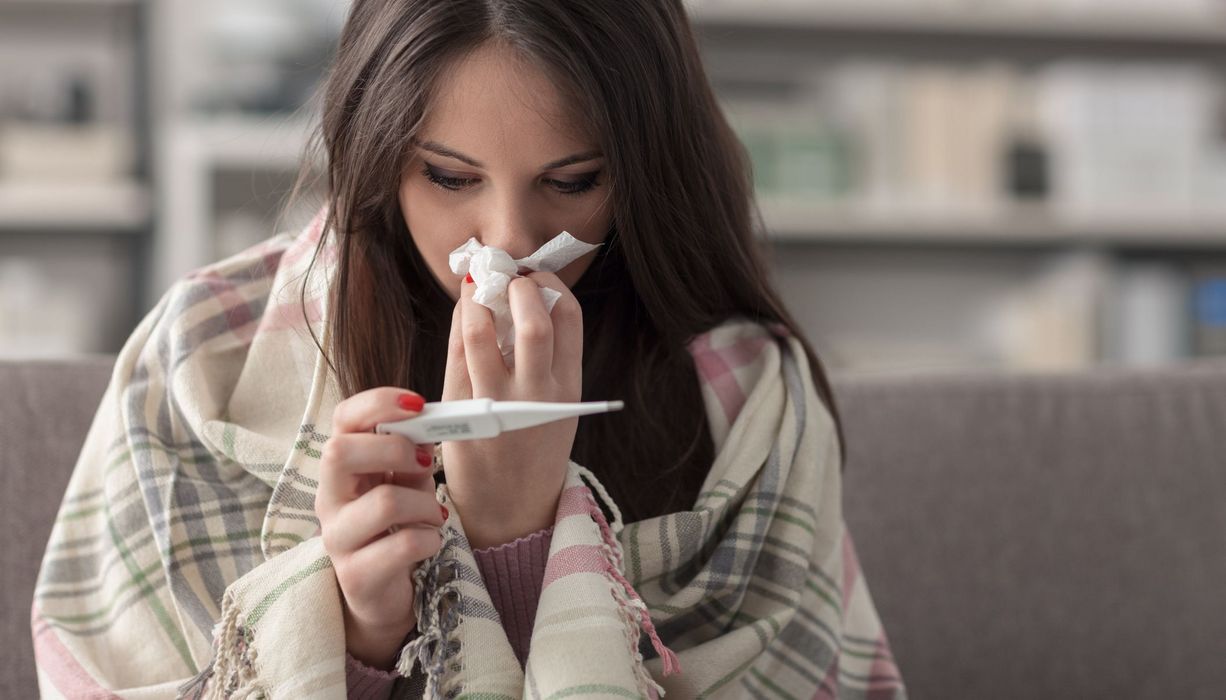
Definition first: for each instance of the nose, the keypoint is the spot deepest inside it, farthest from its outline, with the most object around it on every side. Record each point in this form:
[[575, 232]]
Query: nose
[[510, 224]]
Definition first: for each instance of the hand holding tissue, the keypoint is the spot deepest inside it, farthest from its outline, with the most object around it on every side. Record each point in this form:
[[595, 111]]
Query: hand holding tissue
[[492, 270]]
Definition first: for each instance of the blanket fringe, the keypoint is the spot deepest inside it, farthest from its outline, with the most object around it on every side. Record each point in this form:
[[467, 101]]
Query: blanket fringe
[[436, 603], [627, 597], [194, 689], [231, 674], [617, 525]]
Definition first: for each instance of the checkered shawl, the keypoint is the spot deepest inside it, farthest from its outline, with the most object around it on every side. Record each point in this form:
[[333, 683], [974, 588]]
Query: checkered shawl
[[186, 557]]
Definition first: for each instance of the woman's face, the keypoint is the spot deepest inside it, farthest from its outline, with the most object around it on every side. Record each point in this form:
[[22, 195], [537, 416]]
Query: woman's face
[[501, 157]]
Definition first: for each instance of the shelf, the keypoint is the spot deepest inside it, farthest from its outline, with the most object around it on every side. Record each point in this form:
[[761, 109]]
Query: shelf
[[1165, 28], [56, 5], [244, 141], [122, 207], [63, 3], [1019, 227]]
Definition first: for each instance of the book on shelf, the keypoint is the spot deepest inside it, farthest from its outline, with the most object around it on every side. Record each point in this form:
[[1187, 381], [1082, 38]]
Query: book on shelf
[[1209, 311], [1131, 139], [1054, 321], [1147, 314], [40, 317]]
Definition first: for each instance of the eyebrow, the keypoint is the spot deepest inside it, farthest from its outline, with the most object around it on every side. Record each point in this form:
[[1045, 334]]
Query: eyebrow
[[435, 147]]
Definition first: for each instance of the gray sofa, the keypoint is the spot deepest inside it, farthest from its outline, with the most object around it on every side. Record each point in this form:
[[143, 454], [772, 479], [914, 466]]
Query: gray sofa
[[1058, 536]]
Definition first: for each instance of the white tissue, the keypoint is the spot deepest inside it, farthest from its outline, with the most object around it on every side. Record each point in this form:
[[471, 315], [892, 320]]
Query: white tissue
[[493, 269]]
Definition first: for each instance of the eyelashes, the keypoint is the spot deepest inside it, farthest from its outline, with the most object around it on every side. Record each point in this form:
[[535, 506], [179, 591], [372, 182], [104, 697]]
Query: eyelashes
[[584, 184]]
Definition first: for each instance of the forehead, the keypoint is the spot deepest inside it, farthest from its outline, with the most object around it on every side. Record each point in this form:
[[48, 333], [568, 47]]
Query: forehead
[[495, 104]]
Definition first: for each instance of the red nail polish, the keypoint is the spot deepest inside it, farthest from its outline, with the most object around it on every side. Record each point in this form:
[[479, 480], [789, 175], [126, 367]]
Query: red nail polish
[[424, 459], [446, 513], [468, 278], [411, 402]]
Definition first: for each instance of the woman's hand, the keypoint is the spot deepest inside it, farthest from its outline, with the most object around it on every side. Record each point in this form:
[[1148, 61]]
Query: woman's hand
[[369, 483], [507, 487]]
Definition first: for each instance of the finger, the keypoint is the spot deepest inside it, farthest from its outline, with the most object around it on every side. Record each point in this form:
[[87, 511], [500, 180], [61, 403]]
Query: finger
[[412, 479], [533, 329], [349, 456], [456, 383], [359, 413], [390, 559], [486, 368], [360, 522], [567, 318]]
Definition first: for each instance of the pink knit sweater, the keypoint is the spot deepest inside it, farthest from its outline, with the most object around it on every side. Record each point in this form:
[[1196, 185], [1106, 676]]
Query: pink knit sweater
[[513, 574]]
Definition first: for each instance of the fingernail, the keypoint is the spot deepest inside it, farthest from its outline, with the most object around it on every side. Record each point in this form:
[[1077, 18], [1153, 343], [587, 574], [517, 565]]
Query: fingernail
[[411, 402], [468, 278], [446, 513], [424, 458]]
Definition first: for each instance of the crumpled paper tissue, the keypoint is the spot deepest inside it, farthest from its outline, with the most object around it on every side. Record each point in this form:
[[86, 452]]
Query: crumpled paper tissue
[[493, 269]]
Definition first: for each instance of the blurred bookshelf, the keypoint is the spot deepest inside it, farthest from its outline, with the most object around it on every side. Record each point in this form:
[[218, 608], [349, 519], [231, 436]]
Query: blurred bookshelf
[[76, 200], [1033, 185], [1003, 184]]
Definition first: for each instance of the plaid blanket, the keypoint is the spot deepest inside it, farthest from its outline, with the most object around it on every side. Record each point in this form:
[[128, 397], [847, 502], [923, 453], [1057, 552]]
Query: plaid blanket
[[186, 556]]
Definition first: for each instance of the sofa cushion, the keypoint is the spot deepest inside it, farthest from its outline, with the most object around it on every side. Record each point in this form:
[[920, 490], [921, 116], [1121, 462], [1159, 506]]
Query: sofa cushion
[[45, 411], [1054, 536]]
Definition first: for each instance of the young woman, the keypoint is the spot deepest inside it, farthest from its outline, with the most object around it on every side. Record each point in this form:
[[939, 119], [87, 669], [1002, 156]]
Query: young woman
[[235, 527]]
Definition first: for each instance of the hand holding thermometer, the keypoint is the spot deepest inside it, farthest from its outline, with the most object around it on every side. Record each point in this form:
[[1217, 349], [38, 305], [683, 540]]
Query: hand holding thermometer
[[474, 419]]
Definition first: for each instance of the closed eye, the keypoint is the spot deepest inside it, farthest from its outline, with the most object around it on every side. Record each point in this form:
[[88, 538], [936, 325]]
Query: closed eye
[[445, 182], [583, 183], [579, 186]]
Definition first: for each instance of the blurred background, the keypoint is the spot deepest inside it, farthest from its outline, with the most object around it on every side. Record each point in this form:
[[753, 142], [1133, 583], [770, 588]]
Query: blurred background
[[945, 184]]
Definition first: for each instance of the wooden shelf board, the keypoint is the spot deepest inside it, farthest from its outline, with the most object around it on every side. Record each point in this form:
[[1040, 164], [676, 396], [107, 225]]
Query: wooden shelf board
[[798, 223], [1153, 27], [104, 207]]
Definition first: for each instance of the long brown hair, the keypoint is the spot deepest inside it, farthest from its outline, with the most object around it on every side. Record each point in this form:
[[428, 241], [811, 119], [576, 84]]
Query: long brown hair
[[683, 256]]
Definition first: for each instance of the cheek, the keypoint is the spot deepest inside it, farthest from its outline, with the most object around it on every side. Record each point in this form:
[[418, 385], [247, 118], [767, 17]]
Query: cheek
[[595, 231], [416, 201], [434, 232], [595, 221], [426, 220]]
